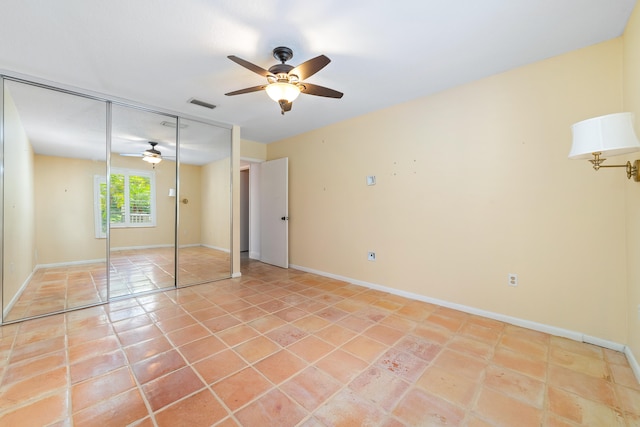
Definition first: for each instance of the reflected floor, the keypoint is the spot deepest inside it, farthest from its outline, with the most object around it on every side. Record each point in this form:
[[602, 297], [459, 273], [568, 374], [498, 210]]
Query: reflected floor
[[132, 271]]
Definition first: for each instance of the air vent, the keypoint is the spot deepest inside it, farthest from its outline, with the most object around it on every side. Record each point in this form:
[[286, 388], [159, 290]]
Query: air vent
[[201, 103]]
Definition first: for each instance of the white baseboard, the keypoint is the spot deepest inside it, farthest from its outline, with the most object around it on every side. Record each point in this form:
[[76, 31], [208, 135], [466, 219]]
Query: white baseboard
[[217, 248], [16, 297], [236, 275], [541, 327], [254, 255], [134, 248], [69, 263]]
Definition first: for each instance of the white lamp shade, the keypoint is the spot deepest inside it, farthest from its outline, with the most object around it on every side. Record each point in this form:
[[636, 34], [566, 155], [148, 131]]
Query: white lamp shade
[[279, 91], [611, 135]]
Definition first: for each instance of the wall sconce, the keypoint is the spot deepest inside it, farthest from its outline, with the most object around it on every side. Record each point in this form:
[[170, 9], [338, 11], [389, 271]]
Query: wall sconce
[[610, 135]]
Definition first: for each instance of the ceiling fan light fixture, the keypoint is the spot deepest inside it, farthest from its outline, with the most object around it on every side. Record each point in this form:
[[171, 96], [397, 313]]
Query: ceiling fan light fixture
[[282, 91], [152, 158]]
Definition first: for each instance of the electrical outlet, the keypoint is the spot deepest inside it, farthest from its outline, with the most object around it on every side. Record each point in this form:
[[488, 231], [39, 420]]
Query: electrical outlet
[[371, 256], [512, 279], [371, 180]]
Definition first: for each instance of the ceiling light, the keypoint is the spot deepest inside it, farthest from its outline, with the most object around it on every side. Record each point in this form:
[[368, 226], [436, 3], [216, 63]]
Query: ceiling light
[[152, 158], [281, 91], [610, 135]]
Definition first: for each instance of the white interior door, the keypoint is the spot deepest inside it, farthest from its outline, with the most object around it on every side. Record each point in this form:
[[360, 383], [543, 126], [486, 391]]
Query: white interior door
[[274, 212]]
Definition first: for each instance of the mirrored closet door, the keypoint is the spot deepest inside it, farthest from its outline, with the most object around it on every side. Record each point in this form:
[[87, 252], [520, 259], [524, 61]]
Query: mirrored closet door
[[54, 151], [89, 183]]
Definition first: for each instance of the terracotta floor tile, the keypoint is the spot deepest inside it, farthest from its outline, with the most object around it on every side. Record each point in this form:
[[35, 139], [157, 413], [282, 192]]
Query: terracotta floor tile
[[19, 392], [95, 390], [462, 364], [347, 409], [595, 367], [200, 409], [380, 387], [383, 334], [311, 323], [505, 411], [523, 346], [157, 366], [629, 399], [165, 390], [97, 365], [585, 412], [34, 366], [241, 388], [354, 356], [341, 365], [237, 334], [521, 363], [123, 409], [221, 323], [220, 365], [623, 375], [472, 347], [272, 409], [185, 335], [449, 386], [142, 333], [286, 335], [310, 388], [147, 349], [310, 348], [365, 348], [419, 408], [43, 412], [336, 335], [266, 323], [256, 348], [402, 364], [280, 366], [584, 385], [588, 350], [510, 383], [202, 348]]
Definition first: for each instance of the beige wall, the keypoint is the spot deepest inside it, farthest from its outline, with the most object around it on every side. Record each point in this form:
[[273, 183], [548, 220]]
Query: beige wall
[[253, 150], [65, 223], [472, 184], [216, 204], [632, 103], [19, 247]]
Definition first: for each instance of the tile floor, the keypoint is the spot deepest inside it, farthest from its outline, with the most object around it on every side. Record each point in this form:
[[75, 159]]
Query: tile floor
[[133, 271], [287, 348]]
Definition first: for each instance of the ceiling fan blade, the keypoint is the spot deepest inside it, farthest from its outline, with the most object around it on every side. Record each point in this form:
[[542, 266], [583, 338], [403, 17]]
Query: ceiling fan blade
[[249, 66], [309, 68], [131, 154], [246, 90], [311, 89]]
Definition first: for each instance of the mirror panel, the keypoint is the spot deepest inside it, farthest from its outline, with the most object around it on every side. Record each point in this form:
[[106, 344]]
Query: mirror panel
[[142, 214], [204, 203], [54, 152]]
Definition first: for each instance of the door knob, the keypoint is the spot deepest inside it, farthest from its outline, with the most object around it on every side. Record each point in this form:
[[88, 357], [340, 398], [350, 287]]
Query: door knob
[[285, 218]]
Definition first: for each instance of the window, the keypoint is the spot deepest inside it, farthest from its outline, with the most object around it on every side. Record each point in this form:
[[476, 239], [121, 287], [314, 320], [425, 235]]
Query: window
[[132, 200]]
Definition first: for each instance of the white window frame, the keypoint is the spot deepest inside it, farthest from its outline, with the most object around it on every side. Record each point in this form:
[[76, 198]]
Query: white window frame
[[101, 179]]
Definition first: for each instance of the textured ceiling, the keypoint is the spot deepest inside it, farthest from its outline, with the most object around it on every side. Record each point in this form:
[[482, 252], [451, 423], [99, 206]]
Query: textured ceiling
[[164, 52]]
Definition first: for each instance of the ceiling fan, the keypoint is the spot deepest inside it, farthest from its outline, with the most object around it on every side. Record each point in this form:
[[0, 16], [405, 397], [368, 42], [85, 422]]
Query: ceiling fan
[[285, 82], [150, 155]]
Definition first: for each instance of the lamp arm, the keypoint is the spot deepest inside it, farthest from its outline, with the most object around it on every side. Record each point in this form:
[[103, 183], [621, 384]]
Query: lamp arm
[[632, 169]]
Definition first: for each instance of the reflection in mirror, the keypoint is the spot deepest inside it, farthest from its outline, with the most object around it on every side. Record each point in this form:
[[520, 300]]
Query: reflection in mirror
[[204, 196], [142, 216], [54, 148]]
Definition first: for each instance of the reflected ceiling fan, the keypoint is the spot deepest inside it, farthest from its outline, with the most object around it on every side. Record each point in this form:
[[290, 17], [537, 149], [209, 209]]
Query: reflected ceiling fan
[[285, 82], [151, 155]]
